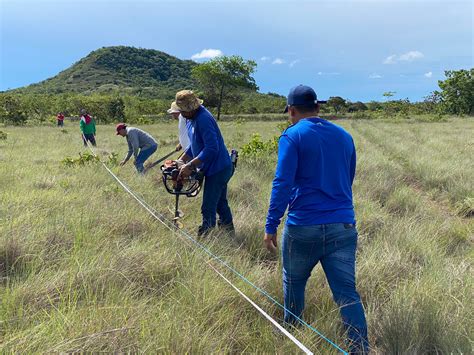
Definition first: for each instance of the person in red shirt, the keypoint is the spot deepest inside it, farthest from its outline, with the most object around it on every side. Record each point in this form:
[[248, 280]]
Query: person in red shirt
[[60, 119]]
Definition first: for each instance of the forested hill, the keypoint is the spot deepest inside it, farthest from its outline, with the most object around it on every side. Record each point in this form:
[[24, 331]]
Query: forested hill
[[129, 70]]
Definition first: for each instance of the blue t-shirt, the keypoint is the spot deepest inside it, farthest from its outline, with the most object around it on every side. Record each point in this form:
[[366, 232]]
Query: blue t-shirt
[[314, 175], [207, 143]]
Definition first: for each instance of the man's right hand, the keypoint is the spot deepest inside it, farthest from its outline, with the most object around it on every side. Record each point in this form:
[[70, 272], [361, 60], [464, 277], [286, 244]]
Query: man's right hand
[[270, 242], [122, 163]]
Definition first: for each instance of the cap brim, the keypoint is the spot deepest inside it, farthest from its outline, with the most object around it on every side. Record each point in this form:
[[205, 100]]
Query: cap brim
[[286, 109], [322, 102], [172, 111]]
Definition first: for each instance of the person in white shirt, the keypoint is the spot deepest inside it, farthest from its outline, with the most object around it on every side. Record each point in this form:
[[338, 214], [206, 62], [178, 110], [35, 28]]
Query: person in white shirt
[[182, 130]]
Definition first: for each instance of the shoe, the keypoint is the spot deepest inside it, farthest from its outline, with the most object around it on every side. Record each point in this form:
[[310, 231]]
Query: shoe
[[203, 231]]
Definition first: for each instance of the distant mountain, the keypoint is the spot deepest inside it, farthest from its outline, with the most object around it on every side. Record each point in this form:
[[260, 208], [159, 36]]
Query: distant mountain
[[130, 70]]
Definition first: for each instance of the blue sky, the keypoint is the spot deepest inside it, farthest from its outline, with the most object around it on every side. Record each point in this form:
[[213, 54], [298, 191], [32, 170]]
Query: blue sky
[[354, 49]]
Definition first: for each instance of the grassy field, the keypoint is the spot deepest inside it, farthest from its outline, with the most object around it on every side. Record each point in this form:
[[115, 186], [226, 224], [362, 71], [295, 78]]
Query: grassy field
[[84, 268]]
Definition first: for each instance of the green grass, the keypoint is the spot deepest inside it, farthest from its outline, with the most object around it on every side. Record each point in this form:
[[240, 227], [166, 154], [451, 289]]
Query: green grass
[[84, 268]]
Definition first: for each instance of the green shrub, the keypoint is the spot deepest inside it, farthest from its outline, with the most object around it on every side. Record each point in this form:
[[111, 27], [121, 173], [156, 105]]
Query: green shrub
[[3, 135], [113, 159], [81, 160], [256, 146]]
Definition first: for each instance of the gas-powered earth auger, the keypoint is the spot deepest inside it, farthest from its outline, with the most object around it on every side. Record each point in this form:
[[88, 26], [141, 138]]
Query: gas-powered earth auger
[[189, 186]]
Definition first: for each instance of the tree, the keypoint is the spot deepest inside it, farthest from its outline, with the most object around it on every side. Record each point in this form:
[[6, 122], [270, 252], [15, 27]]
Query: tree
[[220, 78], [117, 109], [357, 106], [11, 111], [337, 103], [457, 95]]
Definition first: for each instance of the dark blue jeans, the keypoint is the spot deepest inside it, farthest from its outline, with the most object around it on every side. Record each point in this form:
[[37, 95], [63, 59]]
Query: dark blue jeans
[[334, 245], [215, 199], [143, 156], [88, 137]]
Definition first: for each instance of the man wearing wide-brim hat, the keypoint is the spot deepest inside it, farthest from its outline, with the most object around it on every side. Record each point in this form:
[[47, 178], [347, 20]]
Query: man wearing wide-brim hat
[[208, 153]]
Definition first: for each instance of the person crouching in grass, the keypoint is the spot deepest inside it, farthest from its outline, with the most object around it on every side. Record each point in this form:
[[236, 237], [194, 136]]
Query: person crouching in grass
[[140, 144]]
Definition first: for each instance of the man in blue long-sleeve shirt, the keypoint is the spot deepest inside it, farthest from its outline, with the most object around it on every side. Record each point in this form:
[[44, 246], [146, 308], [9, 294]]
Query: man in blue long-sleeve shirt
[[314, 175], [207, 152]]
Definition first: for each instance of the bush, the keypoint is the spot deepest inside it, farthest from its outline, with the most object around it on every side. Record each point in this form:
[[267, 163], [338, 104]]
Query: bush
[[3, 136], [256, 146], [83, 159]]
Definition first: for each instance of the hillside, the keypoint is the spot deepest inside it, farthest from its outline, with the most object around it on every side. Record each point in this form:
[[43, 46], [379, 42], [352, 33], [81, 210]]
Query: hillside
[[120, 69]]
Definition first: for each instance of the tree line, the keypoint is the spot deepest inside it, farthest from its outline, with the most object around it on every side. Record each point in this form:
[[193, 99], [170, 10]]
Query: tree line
[[227, 86]]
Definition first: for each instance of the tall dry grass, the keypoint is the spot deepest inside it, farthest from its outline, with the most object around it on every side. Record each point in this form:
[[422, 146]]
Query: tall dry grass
[[84, 268]]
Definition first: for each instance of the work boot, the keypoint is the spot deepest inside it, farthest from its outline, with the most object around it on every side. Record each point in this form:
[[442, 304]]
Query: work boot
[[203, 231]]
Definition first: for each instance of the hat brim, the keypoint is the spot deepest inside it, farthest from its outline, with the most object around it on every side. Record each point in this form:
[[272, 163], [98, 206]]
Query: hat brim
[[200, 103], [173, 111]]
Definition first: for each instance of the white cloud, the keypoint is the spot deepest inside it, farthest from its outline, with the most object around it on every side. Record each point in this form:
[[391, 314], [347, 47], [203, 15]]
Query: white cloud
[[328, 73], [411, 56], [264, 59], [296, 61], [375, 76], [391, 59], [278, 61], [207, 54], [405, 57], [429, 74]]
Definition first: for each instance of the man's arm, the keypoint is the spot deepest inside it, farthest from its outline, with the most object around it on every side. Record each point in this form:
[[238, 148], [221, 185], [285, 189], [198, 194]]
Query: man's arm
[[133, 143], [208, 132], [281, 190], [129, 153], [353, 163]]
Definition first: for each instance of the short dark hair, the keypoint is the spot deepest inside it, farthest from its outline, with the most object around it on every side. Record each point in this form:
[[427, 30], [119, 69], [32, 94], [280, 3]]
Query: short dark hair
[[306, 108]]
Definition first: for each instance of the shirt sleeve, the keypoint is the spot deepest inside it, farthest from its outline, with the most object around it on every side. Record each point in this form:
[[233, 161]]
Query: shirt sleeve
[[133, 143], [209, 135], [353, 163], [81, 124], [130, 151], [282, 183], [188, 152]]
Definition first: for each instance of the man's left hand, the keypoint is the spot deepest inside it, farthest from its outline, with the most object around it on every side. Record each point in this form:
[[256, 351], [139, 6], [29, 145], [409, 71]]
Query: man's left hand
[[270, 242]]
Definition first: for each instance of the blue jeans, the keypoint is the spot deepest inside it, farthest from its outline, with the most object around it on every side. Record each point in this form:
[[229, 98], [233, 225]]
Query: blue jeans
[[334, 245], [215, 199], [88, 137], [143, 156]]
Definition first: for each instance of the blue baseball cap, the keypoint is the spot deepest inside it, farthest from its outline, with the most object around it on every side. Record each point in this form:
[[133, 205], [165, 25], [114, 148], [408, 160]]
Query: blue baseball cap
[[302, 95]]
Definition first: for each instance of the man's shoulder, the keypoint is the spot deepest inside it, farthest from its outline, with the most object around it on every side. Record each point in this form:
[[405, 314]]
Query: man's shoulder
[[203, 114]]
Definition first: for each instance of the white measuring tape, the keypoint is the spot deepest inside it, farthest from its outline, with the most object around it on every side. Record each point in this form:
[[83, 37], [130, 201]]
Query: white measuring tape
[[168, 224]]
